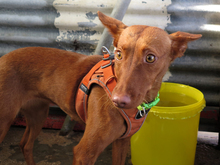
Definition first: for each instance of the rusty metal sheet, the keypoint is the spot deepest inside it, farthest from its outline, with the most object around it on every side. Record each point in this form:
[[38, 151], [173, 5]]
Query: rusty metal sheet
[[80, 28]]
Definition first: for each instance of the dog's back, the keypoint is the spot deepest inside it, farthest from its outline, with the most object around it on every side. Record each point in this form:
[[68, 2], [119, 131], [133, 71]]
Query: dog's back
[[37, 74]]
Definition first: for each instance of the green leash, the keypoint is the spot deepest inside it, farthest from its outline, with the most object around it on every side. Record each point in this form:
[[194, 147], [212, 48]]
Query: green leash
[[146, 106]]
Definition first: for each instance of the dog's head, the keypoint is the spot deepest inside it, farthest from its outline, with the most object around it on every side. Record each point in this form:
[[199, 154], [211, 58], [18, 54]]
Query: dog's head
[[142, 57]]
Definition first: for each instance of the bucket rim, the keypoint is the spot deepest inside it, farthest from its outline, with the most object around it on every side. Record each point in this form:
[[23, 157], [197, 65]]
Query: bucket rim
[[180, 111]]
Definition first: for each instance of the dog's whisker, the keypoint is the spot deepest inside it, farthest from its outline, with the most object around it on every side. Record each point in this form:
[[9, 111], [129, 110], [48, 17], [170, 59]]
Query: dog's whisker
[[101, 99], [145, 101], [107, 103]]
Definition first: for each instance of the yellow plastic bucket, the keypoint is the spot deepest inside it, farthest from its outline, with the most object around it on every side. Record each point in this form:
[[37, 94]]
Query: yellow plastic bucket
[[169, 133]]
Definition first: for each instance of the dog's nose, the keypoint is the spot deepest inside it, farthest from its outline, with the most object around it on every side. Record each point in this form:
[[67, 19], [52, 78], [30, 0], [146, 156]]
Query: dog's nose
[[121, 101]]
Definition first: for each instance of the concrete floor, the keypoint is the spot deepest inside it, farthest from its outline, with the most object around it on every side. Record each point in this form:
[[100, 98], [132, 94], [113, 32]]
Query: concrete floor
[[52, 149]]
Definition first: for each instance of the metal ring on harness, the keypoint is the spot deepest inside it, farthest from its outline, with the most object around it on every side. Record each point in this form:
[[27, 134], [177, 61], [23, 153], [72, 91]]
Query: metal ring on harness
[[105, 51], [110, 57], [143, 112]]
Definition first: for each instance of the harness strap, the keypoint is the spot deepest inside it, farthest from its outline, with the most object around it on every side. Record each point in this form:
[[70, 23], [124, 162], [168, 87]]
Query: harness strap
[[103, 74]]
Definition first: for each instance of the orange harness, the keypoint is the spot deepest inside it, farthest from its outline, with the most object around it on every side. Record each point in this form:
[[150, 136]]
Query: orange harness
[[103, 74]]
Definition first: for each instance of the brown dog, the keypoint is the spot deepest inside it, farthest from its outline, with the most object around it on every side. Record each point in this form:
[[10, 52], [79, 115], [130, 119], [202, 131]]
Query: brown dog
[[31, 78]]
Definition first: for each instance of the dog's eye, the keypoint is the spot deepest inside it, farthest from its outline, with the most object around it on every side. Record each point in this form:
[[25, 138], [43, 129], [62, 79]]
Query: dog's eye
[[150, 58], [118, 55]]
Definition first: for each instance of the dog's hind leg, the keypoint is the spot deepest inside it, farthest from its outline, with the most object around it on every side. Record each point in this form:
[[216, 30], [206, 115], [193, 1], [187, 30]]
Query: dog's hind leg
[[9, 108], [7, 116], [11, 96], [35, 112]]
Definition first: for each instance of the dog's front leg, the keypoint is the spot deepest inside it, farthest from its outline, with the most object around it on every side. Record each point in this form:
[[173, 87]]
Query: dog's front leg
[[103, 126], [120, 149]]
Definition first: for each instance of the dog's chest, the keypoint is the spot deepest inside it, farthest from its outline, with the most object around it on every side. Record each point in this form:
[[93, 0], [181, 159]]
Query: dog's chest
[[103, 75]]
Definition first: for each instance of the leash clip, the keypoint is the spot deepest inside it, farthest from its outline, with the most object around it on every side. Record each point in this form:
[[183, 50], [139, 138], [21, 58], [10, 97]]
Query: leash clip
[[142, 113], [107, 56]]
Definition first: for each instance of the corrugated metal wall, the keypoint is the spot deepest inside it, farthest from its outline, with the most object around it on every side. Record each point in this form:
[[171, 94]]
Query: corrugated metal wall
[[67, 24], [73, 25], [27, 23], [200, 67]]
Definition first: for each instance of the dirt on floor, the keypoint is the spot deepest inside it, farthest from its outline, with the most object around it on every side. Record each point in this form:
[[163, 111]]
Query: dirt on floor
[[52, 149]]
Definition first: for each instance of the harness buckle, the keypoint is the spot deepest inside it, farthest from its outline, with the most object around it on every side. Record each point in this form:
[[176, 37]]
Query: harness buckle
[[107, 56]]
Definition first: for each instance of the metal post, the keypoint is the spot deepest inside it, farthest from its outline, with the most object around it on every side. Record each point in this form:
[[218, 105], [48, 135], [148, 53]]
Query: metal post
[[106, 40], [68, 126], [118, 12]]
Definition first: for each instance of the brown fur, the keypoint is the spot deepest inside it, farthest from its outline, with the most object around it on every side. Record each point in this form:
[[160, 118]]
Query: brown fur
[[31, 78]]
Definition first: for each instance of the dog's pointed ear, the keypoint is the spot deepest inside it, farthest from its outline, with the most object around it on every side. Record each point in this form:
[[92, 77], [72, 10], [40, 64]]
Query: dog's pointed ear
[[180, 41], [114, 26]]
